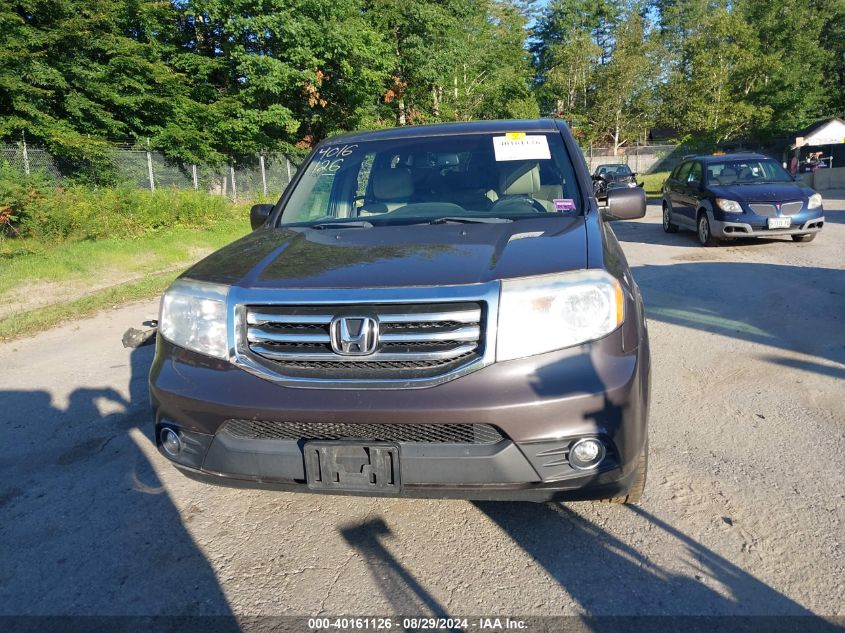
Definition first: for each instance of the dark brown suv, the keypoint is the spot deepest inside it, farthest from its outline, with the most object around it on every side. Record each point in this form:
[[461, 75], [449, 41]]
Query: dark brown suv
[[427, 311]]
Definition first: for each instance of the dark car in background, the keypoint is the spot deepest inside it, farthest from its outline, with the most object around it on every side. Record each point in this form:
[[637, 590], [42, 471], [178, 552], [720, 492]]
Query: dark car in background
[[612, 176], [427, 311], [731, 196]]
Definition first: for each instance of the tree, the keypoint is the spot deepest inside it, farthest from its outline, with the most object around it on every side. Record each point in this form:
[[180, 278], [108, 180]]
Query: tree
[[284, 72], [76, 73], [793, 81], [623, 94], [491, 72]]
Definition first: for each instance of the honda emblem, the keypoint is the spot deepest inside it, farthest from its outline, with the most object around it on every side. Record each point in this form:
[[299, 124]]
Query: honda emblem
[[354, 335]]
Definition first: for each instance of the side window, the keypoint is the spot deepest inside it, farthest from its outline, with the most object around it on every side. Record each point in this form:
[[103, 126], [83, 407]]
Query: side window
[[316, 202], [694, 173], [683, 170]]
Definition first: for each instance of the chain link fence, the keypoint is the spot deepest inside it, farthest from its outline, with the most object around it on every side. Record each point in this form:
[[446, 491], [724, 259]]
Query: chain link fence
[[29, 160], [262, 175], [268, 175], [642, 159]]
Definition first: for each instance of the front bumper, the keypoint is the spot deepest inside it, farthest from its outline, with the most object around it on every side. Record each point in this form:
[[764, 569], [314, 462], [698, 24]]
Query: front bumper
[[751, 225], [540, 405]]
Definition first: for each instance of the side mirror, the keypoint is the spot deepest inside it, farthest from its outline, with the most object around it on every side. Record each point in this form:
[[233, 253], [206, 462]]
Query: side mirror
[[695, 184], [259, 213], [625, 204]]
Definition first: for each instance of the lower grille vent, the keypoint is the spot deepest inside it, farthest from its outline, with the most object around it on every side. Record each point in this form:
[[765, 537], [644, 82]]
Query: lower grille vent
[[418, 433]]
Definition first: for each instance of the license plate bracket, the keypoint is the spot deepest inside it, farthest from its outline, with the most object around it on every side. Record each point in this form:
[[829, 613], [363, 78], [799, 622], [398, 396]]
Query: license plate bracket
[[371, 467], [779, 223]]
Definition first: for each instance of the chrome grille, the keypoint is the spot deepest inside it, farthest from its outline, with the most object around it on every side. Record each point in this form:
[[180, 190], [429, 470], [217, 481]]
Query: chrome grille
[[791, 208], [764, 209], [414, 340], [418, 433], [770, 210]]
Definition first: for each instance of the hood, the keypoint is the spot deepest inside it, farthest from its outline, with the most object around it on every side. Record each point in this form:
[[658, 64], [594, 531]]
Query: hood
[[764, 192], [394, 256]]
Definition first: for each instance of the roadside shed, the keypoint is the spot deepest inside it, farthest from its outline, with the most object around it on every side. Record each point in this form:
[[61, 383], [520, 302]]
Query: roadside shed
[[826, 137]]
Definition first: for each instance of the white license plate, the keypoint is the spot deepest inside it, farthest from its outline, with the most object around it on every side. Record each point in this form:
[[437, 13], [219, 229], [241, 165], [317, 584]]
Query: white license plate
[[779, 223]]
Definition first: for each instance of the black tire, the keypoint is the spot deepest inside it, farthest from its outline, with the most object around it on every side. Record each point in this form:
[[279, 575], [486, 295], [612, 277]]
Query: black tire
[[705, 235], [668, 226], [635, 493], [804, 237]]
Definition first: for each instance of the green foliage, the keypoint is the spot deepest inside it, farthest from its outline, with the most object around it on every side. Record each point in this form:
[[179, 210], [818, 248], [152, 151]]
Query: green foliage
[[204, 81], [48, 214], [711, 70]]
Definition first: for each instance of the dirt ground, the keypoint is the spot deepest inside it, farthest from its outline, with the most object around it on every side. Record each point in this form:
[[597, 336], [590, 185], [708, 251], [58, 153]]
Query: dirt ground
[[744, 510]]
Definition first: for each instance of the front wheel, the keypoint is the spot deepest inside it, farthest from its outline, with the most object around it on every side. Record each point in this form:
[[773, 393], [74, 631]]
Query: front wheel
[[668, 226], [804, 237], [705, 235], [635, 493]]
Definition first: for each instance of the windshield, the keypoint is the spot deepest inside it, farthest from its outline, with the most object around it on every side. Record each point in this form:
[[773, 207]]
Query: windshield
[[409, 180], [736, 172], [619, 170]]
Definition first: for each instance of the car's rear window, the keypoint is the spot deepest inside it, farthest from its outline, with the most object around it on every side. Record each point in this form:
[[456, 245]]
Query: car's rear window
[[398, 180], [619, 170]]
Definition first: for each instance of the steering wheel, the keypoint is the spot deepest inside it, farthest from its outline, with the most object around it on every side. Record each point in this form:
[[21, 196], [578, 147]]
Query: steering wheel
[[501, 203]]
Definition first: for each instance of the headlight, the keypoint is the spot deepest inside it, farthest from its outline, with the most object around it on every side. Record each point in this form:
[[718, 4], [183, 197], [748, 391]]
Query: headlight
[[193, 315], [729, 206], [814, 201], [542, 314]]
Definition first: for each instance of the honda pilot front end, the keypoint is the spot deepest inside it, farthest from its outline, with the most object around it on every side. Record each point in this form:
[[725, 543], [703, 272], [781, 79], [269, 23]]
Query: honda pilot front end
[[438, 311]]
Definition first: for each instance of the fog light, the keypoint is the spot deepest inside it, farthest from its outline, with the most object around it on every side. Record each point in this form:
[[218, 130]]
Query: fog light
[[170, 442], [586, 453]]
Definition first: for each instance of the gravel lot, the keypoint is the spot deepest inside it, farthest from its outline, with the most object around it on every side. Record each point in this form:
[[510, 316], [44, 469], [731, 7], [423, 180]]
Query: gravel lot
[[744, 510]]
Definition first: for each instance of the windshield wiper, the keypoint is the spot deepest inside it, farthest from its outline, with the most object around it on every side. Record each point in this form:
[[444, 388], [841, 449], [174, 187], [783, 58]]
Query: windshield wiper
[[469, 220], [355, 224]]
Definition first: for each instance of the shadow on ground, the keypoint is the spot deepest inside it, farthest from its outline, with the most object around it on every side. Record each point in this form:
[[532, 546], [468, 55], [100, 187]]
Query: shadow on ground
[[606, 576], [794, 308], [602, 574], [403, 591], [111, 541]]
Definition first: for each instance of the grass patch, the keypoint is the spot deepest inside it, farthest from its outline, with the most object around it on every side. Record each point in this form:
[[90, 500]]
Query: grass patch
[[34, 321], [62, 277], [66, 252], [39, 210], [653, 183], [100, 261]]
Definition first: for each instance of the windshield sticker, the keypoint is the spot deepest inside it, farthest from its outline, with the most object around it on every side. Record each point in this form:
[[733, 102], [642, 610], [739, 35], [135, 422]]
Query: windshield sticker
[[523, 148], [564, 204]]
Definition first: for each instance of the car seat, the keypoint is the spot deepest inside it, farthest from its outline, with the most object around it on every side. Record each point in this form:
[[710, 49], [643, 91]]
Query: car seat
[[728, 176], [391, 188], [521, 180]]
